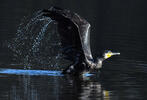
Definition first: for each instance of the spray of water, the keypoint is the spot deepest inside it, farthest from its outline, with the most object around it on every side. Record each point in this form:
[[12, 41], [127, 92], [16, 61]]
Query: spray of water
[[37, 43]]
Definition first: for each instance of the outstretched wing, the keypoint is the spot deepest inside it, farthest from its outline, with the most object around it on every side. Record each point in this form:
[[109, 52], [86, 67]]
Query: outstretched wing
[[74, 30]]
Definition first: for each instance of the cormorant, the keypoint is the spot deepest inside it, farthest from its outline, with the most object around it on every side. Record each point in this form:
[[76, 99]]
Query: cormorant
[[75, 38]]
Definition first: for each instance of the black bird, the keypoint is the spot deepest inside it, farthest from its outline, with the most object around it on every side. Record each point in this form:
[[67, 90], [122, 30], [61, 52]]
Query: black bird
[[75, 38]]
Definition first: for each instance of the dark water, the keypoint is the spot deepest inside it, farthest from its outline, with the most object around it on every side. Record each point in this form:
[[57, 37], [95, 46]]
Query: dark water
[[116, 25]]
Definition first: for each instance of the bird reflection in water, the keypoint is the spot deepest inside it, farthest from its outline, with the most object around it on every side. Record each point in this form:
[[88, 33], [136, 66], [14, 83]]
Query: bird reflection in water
[[94, 89], [25, 87], [87, 89]]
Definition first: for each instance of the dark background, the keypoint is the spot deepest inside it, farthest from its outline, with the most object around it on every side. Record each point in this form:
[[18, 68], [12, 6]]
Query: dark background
[[118, 25]]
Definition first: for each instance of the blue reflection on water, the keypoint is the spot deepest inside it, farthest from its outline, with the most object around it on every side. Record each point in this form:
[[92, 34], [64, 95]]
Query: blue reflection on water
[[35, 72], [88, 74], [30, 72]]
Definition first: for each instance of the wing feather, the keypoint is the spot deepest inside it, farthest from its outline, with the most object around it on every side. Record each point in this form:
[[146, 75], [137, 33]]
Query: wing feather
[[79, 36]]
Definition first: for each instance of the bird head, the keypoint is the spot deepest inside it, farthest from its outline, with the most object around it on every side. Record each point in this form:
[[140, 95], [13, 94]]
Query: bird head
[[107, 54]]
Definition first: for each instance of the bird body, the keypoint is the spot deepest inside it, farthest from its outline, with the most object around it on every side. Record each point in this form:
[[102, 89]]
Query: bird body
[[75, 35]]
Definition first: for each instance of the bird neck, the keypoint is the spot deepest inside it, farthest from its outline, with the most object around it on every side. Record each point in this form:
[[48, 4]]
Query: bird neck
[[95, 64], [99, 63], [100, 60]]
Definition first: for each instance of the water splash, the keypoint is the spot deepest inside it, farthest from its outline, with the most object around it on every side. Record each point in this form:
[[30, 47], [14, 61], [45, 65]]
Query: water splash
[[38, 42]]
